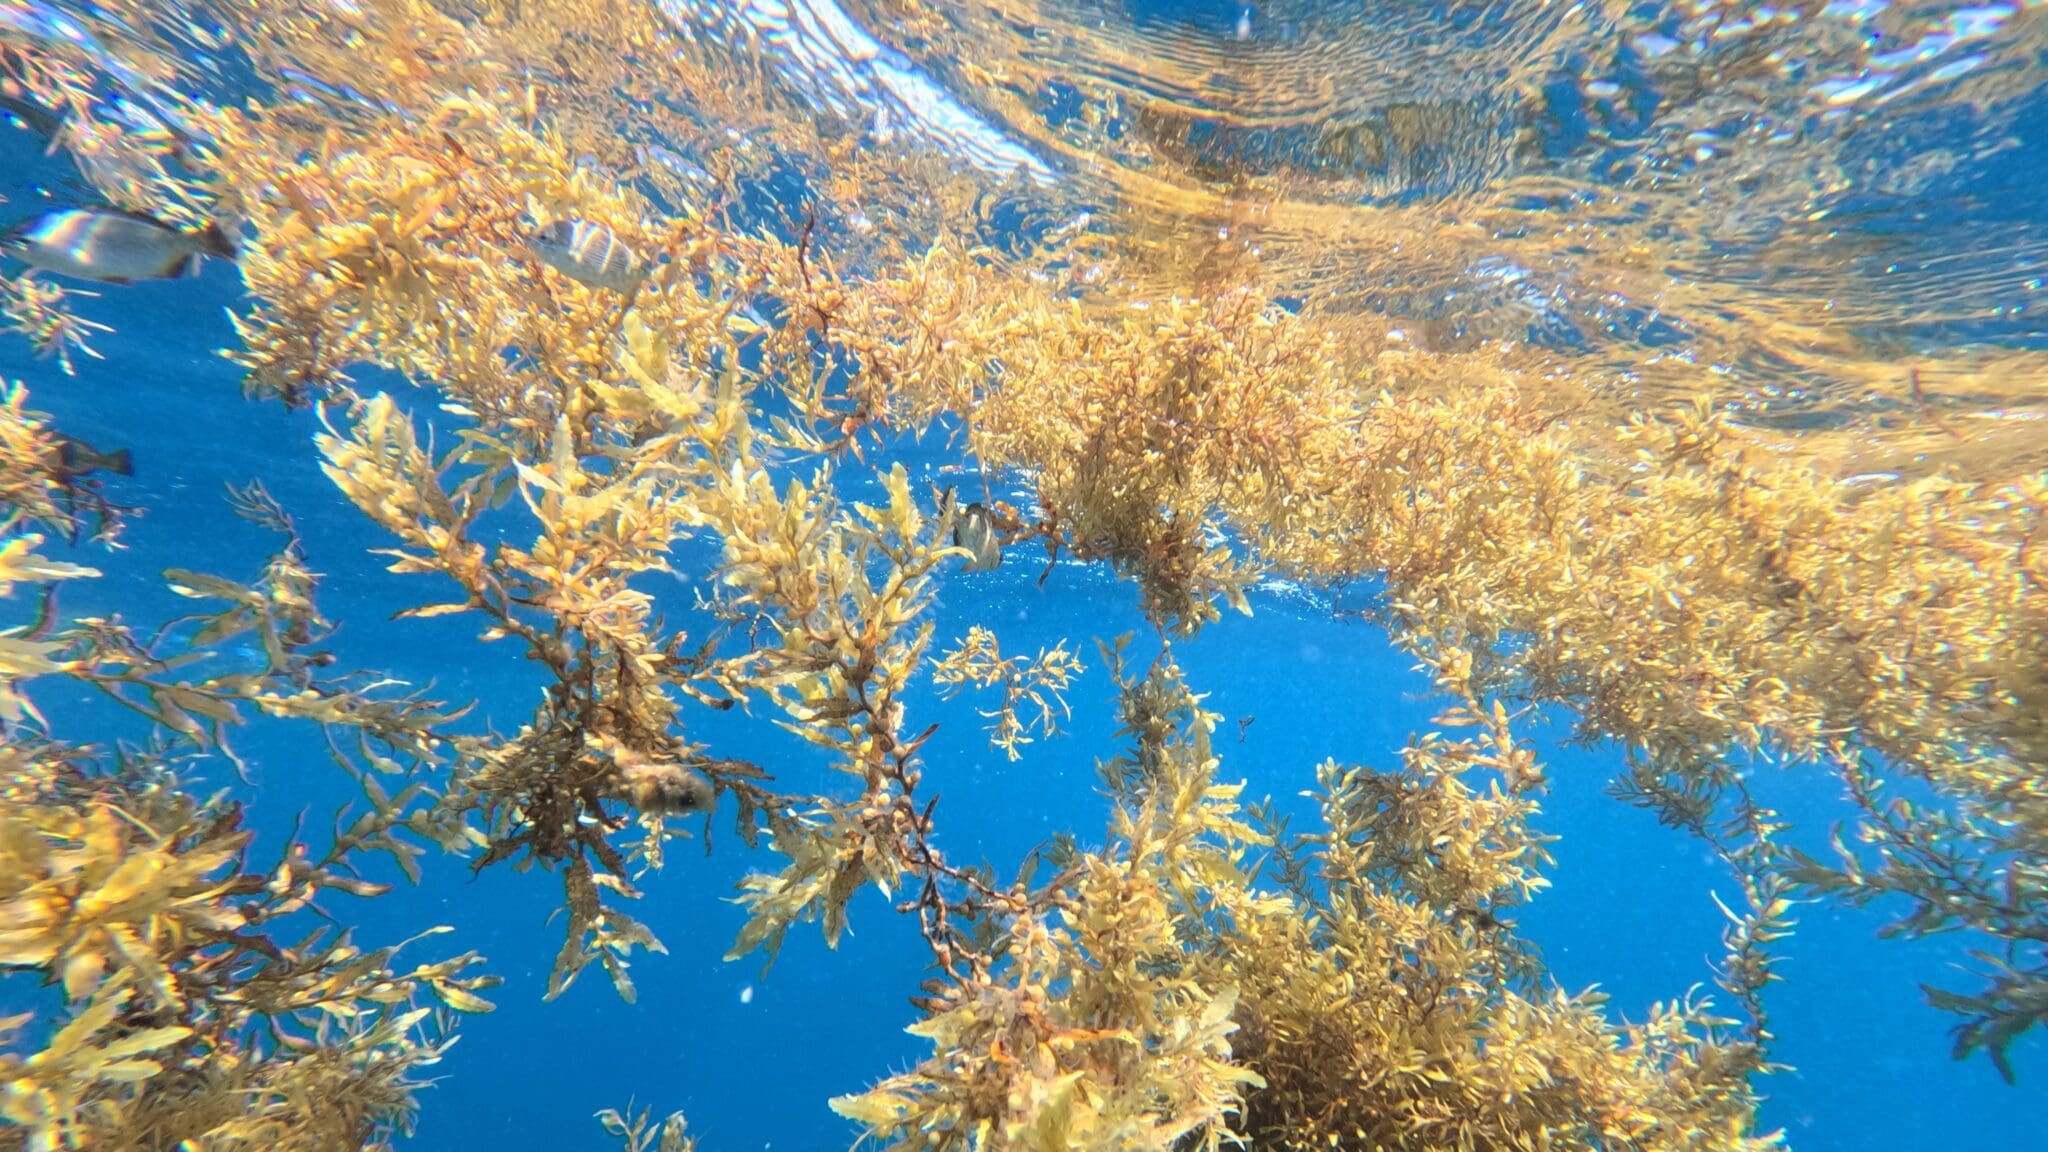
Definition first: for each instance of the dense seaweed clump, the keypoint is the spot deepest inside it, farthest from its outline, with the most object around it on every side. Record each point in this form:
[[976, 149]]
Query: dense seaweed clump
[[1689, 593], [665, 322], [199, 1002], [1370, 994]]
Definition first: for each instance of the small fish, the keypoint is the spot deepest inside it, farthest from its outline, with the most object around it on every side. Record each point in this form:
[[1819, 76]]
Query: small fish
[[589, 254], [113, 246], [974, 532], [72, 469], [76, 458], [30, 115], [655, 156], [665, 787], [307, 88]]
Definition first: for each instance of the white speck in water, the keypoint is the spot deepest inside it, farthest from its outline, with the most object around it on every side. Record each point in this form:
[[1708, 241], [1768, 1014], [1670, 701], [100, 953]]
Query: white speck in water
[[1244, 24], [747, 994]]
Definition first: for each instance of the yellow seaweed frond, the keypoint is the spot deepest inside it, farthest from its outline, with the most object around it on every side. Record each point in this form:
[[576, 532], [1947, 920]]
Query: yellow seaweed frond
[[1039, 681], [638, 1132], [41, 311]]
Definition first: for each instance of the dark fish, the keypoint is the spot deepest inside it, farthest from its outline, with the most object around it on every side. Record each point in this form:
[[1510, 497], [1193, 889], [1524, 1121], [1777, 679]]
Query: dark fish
[[77, 458], [588, 254], [973, 531], [72, 469], [113, 246], [17, 101], [31, 115]]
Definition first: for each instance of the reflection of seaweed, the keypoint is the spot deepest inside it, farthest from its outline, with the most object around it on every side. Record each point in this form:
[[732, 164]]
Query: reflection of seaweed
[[1403, 151]]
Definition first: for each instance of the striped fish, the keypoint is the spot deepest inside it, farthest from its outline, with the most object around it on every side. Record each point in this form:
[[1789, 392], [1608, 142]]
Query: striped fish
[[589, 254]]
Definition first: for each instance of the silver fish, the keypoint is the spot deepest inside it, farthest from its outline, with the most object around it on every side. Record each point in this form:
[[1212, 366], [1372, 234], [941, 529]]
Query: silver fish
[[112, 246], [973, 531], [655, 156], [589, 254]]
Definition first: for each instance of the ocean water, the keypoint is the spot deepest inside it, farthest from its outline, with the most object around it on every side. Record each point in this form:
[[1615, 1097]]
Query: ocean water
[[752, 1055]]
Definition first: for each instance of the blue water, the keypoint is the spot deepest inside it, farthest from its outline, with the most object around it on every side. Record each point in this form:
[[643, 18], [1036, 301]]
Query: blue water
[[1630, 908]]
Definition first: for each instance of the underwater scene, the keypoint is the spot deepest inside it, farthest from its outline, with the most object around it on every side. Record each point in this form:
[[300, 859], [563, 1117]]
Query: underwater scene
[[1039, 575]]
